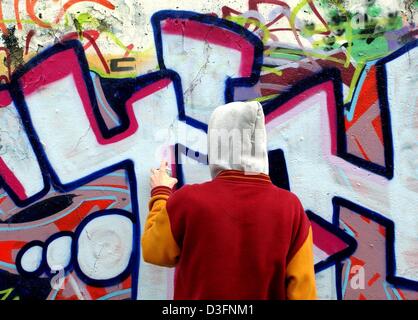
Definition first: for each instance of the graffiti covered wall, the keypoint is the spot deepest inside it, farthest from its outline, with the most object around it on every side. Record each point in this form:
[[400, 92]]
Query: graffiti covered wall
[[94, 93]]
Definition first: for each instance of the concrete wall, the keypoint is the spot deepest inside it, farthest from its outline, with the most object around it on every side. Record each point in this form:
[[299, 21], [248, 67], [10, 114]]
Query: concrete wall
[[94, 93]]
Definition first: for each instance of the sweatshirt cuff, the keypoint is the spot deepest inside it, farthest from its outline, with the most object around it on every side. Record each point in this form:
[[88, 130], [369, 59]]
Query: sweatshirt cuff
[[161, 190]]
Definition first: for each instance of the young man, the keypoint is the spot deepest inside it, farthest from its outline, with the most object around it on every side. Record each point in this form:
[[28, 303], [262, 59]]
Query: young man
[[237, 236]]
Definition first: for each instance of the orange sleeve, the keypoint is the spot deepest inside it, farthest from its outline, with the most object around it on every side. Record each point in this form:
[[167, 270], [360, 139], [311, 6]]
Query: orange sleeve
[[300, 274], [158, 244]]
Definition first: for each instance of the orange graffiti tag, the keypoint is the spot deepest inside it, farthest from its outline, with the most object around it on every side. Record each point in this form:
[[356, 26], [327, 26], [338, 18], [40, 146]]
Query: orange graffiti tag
[[70, 3], [31, 8]]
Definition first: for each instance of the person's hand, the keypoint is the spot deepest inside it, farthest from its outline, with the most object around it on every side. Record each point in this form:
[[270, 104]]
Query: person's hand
[[160, 177]]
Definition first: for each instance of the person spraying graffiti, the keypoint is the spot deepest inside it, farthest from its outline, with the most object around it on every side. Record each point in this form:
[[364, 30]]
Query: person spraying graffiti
[[237, 236]]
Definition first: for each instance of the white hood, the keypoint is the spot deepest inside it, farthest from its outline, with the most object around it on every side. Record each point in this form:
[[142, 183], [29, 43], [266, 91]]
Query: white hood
[[237, 138]]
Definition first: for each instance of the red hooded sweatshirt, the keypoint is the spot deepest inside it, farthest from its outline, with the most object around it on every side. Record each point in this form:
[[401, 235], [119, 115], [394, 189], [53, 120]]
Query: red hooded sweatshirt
[[237, 236]]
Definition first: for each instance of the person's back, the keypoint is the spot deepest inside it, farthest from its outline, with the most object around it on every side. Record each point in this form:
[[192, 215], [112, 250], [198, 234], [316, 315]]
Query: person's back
[[237, 236]]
